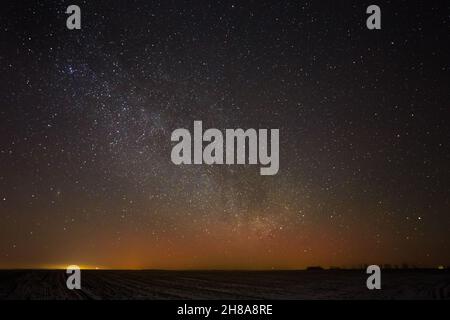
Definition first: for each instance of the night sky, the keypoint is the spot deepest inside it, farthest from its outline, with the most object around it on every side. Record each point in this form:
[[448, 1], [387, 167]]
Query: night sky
[[86, 118]]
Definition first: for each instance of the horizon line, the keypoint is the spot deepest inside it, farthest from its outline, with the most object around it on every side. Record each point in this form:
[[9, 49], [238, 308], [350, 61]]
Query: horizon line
[[309, 268]]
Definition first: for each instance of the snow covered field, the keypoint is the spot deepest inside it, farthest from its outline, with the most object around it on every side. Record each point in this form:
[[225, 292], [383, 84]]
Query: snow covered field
[[327, 284]]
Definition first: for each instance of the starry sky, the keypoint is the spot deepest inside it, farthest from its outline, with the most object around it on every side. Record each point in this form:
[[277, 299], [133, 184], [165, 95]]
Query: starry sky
[[86, 118]]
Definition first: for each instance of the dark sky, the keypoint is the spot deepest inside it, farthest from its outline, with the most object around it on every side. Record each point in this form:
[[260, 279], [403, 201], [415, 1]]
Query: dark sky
[[86, 118]]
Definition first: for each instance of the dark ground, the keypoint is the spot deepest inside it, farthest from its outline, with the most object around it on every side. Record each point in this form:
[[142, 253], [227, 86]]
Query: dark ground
[[338, 284]]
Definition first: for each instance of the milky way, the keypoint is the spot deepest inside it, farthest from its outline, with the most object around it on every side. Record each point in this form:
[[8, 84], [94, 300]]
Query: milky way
[[86, 119]]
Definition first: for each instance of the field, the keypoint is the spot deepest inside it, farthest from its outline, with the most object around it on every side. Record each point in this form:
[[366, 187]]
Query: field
[[326, 284]]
